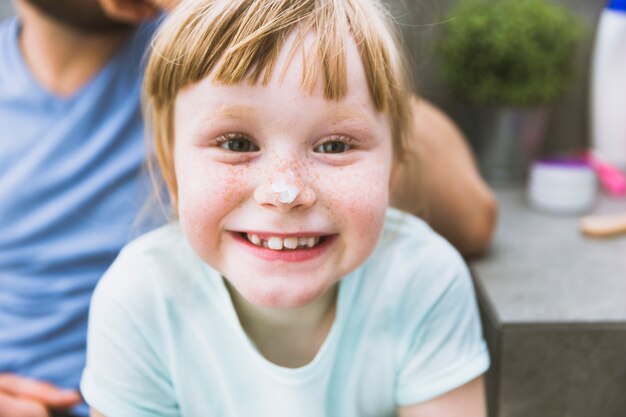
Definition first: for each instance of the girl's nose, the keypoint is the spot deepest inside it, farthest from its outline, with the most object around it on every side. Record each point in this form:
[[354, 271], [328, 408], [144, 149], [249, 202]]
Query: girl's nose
[[285, 195]]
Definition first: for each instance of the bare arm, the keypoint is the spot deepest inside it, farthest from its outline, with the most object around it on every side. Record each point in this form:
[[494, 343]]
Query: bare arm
[[25, 397], [465, 401], [94, 413], [441, 183]]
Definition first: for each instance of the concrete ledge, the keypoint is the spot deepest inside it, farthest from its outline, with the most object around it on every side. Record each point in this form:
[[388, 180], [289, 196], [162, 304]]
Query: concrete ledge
[[553, 304]]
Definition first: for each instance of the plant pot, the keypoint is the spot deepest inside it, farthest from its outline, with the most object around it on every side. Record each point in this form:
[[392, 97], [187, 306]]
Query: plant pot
[[505, 140]]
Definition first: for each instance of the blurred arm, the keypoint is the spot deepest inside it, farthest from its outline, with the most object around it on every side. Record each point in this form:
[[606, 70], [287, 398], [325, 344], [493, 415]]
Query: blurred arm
[[25, 397], [465, 401], [440, 183]]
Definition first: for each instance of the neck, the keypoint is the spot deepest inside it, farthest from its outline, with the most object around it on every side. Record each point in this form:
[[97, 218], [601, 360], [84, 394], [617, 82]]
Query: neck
[[289, 337], [61, 58]]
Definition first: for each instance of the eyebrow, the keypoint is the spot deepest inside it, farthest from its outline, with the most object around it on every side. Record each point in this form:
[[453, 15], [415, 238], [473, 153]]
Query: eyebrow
[[339, 114], [233, 111], [343, 114]]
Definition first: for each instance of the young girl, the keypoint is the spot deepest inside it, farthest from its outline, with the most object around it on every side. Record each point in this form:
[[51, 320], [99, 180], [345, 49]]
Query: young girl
[[285, 287]]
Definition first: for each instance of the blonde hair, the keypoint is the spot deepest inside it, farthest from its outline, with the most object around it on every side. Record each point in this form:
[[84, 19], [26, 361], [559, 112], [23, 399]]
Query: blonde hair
[[240, 40]]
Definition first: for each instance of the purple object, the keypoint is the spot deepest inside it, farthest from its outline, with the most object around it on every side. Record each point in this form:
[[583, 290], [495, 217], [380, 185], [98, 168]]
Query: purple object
[[612, 179], [564, 162]]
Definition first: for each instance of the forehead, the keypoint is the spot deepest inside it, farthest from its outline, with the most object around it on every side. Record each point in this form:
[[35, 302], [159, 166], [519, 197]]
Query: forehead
[[299, 59], [297, 66], [286, 89]]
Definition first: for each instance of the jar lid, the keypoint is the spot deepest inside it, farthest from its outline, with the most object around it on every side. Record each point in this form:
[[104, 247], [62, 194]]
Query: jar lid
[[558, 173]]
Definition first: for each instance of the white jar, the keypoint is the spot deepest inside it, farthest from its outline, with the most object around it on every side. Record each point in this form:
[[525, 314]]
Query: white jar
[[608, 85], [562, 186]]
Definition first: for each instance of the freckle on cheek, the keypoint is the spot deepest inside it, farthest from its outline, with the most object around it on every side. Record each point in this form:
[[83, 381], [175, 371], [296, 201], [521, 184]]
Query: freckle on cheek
[[229, 190]]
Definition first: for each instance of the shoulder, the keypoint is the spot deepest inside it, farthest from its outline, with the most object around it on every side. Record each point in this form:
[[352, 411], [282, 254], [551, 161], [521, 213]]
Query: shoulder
[[413, 269], [143, 273], [152, 246], [156, 240], [410, 250], [8, 26], [133, 56], [426, 298], [130, 330], [8, 42], [143, 35]]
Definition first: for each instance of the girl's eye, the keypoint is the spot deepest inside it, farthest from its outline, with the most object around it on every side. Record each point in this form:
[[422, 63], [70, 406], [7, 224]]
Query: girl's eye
[[333, 146], [237, 143]]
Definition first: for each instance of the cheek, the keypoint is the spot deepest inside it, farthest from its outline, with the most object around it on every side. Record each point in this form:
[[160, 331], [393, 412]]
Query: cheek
[[207, 192], [360, 198]]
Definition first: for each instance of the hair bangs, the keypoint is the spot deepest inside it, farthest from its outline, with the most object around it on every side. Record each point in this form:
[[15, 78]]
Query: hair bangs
[[241, 40]]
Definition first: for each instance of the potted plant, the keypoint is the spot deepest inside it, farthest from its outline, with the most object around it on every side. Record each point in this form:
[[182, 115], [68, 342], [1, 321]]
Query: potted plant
[[508, 60]]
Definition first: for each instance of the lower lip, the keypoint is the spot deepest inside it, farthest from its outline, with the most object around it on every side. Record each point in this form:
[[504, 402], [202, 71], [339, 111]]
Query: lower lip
[[294, 255]]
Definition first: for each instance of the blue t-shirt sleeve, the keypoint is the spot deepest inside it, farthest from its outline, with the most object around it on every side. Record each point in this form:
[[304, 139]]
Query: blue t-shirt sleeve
[[442, 336], [126, 374]]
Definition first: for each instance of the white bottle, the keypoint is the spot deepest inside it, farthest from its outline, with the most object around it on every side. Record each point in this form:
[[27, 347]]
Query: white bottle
[[608, 85]]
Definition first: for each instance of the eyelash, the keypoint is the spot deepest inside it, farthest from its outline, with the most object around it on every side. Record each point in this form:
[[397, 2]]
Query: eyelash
[[224, 140], [346, 140]]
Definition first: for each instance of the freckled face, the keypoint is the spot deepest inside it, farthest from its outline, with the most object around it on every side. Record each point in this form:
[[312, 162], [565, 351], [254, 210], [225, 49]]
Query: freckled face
[[237, 146]]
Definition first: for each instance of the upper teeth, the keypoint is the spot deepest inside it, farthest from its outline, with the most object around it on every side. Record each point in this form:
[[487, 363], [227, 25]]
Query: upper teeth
[[278, 243]]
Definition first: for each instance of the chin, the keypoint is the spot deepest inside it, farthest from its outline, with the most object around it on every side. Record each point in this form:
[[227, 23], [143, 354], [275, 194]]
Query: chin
[[281, 295]]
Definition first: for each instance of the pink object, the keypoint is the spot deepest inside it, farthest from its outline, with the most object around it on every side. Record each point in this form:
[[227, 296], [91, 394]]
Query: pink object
[[611, 178]]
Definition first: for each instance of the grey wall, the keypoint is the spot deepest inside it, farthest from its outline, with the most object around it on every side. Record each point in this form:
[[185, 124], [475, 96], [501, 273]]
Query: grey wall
[[422, 26], [6, 8]]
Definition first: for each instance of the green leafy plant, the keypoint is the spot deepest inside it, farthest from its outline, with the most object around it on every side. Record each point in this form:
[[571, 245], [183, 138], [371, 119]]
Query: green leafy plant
[[515, 53]]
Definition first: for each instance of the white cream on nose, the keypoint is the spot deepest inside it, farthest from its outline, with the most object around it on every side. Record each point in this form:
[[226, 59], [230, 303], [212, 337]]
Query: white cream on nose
[[286, 192]]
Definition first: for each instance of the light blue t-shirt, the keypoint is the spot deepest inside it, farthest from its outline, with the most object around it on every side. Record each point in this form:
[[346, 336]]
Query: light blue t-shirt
[[70, 190], [165, 340]]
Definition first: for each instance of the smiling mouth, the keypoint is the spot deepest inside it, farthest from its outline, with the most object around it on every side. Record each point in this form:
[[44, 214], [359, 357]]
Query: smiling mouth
[[283, 244]]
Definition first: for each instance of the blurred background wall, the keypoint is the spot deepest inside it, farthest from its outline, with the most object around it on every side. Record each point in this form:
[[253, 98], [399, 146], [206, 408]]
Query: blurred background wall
[[422, 25], [5, 8]]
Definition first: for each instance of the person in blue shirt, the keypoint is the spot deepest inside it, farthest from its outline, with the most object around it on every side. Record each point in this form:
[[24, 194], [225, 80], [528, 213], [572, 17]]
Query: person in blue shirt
[[71, 185], [71, 156], [283, 285]]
